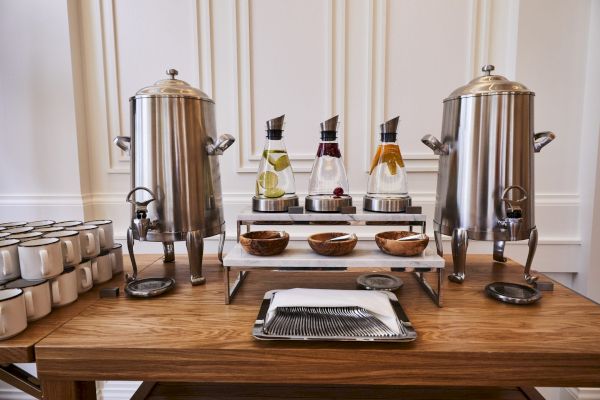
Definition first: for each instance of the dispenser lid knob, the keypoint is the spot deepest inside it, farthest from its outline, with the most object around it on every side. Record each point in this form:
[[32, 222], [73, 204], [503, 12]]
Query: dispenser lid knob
[[487, 69], [172, 72]]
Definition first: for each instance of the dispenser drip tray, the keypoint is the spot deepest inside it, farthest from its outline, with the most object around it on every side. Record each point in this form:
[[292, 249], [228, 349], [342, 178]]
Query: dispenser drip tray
[[149, 287], [513, 293]]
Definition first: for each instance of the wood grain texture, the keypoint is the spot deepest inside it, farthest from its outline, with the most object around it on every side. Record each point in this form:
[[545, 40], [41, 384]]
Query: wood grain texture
[[189, 335], [68, 390], [196, 391], [20, 349]]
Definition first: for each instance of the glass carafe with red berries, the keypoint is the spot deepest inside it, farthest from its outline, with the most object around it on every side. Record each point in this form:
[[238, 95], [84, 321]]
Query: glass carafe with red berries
[[328, 184]]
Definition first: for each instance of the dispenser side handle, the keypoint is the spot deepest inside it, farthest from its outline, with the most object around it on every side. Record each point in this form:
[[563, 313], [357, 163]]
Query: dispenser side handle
[[223, 143], [434, 144], [542, 139], [123, 142]]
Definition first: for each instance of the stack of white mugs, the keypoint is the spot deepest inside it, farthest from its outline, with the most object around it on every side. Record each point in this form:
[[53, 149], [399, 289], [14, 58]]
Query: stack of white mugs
[[48, 264]]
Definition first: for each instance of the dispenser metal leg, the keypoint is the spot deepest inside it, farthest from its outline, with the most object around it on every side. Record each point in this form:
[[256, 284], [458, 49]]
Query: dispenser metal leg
[[499, 251], [169, 251], [460, 243], [221, 245], [130, 243], [533, 240], [195, 248], [438, 243]]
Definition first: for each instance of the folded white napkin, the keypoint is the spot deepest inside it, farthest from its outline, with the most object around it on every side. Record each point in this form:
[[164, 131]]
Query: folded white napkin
[[376, 302]]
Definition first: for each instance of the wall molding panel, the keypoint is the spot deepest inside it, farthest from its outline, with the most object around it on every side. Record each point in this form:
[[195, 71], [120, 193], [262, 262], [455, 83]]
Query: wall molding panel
[[334, 92]]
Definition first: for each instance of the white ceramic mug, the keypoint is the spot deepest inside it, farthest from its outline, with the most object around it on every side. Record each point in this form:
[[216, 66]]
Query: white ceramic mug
[[71, 249], [89, 238], [41, 224], [84, 277], [116, 258], [9, 260], [64, 288], [105, 232], [67, 224], [101, 269], [8, 225], [50, 229], [38, 302], [25, 237], [18, 229], [13, 316], [40, 259]]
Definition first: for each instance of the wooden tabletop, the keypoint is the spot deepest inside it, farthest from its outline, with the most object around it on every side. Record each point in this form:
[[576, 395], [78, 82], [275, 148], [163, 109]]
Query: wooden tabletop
[[190, 335], [20, 349]]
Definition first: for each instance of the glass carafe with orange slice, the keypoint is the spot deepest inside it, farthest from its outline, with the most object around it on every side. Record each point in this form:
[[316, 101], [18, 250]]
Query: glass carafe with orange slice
[[275, 185], [387, 189]]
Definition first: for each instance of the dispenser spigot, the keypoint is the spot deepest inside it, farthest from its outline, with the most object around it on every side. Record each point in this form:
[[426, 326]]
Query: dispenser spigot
[[141, 223], [514, 214]]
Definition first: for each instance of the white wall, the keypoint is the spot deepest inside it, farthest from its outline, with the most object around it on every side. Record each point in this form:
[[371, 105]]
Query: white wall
[[68, 68]]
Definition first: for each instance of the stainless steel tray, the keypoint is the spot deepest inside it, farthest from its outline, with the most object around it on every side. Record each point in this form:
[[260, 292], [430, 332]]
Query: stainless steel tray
[[259, 331]]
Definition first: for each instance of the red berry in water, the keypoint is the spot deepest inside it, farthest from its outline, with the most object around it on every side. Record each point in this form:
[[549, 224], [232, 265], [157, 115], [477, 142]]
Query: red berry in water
[[338, 191]]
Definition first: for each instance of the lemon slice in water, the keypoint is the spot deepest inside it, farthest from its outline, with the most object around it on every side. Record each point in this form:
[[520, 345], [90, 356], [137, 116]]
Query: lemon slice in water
[[267, 180], [275, 192]]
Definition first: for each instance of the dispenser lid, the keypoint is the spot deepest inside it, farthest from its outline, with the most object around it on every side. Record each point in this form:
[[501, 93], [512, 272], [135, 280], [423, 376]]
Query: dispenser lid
[[172, 87], [329, 129], [489, 84]]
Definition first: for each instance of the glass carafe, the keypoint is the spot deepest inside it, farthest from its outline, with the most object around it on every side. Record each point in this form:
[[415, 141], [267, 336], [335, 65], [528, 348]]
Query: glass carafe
[[328, 183], [275, 185], [387, 189]]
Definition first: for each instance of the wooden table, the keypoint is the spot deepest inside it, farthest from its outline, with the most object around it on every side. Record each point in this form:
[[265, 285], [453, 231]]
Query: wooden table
[[190, 336], [21, 348]]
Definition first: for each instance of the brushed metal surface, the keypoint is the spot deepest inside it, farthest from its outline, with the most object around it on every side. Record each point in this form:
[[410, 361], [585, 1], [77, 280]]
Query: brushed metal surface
[[326, 203], [280, 204], [386, 204]]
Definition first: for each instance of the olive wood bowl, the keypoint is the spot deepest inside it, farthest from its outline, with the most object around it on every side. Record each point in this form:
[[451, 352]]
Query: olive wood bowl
[[387, 242], [264, 243], [320, 243]]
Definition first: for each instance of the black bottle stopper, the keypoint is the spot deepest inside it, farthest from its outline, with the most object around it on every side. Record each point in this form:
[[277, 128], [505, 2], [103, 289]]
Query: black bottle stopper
[[389, 130], [275, 128], [329, 129]]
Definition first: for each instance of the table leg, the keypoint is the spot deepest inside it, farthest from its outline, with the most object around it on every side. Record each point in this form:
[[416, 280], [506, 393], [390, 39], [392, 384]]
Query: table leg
[[68, 390]]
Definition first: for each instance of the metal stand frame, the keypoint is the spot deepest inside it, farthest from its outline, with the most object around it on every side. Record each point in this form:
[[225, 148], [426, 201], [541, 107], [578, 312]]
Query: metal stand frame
[[21, 379], [231, 288]]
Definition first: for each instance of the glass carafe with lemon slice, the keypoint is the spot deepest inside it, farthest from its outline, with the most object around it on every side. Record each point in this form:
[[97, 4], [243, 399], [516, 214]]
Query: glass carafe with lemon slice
[[275, 185], [328, 184], [387, 188]]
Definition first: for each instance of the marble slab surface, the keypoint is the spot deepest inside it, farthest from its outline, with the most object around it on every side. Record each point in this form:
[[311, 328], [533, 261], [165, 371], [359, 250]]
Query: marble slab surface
[[299, 254], [361, 215]]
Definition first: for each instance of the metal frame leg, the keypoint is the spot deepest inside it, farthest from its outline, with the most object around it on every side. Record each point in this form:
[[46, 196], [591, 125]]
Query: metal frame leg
[[195, 248], [130, 244], [221, 245], [499, 251], [533, 241], [169, 252], [435, 295], [460, 242], [438, 243], [21, 379], [231, 290]]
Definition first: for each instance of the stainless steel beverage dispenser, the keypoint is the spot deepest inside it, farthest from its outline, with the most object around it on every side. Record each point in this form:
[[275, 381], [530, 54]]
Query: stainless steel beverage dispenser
[[175, 178], [485, 188]]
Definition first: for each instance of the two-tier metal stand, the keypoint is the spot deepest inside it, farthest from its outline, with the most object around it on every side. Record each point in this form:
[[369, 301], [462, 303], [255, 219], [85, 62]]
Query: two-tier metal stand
[[298, 256]]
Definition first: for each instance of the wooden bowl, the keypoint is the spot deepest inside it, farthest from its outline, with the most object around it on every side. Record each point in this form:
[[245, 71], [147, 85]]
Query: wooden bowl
[[388, 244], [320, 244], [264, 243]]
